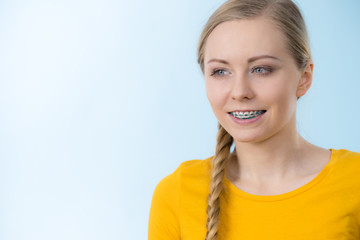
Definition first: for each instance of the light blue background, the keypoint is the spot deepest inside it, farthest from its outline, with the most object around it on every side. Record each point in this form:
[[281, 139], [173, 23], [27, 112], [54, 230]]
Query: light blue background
[[101, 99]]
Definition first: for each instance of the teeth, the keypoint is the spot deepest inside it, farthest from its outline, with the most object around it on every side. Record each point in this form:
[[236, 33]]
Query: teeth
[[247, 115]]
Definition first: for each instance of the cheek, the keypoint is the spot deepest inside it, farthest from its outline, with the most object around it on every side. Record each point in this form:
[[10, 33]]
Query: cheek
[[280, 91], [216, 94], [283, 97]]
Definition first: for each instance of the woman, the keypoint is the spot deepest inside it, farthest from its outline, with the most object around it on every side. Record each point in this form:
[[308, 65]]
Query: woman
[[274, 184]]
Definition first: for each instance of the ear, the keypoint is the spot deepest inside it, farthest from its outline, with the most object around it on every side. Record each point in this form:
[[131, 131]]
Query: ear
[[306, 79]]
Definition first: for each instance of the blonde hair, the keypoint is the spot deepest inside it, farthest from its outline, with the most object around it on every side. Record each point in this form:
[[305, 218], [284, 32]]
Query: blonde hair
[[287, 17]]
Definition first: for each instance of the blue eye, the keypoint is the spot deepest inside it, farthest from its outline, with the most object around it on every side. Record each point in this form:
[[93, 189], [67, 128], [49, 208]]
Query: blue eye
[[261, 70], [219, 72]]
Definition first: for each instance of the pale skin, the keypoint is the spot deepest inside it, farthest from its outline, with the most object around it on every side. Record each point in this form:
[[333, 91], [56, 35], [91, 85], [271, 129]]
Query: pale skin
[[247, 66]]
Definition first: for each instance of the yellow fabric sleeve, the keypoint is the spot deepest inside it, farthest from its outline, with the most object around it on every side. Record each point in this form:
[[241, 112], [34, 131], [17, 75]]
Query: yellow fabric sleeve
[[163, 220]]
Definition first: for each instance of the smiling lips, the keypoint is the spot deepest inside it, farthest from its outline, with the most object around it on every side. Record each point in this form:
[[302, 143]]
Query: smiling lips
[[247, 114]]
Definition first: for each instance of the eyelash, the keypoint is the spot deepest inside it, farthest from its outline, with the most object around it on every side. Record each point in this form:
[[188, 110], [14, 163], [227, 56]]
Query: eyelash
[[216, 71], [268, 70]]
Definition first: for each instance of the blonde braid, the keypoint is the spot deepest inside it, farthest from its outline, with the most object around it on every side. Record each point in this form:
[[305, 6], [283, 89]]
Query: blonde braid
[[219, 162]]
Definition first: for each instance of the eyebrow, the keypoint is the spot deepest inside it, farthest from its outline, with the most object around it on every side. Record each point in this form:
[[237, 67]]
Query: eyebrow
[[250, 60]]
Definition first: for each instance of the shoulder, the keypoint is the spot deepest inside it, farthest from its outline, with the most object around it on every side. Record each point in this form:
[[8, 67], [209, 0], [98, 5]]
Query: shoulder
[[347, 162], [189, 178], [186, 171], [199, 168], [343, 156], [348, 153]]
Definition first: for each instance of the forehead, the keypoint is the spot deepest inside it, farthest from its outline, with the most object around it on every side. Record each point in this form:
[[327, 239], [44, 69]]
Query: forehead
[[242, 39]]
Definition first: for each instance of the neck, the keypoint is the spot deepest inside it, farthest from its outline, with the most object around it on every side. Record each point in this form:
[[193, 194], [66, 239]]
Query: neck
[[271, 160]]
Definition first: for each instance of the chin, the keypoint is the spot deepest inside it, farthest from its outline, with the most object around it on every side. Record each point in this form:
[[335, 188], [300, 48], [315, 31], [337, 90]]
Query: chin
[[248, 140], [254, 136]]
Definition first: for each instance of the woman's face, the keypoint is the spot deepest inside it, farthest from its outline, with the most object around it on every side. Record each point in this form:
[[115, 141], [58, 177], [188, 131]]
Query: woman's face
[[252, 81]]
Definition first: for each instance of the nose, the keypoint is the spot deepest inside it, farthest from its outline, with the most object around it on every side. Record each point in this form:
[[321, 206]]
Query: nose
[[241, 88]]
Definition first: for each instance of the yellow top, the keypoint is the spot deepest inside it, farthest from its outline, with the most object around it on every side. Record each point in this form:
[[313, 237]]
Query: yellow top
[[326, 208]]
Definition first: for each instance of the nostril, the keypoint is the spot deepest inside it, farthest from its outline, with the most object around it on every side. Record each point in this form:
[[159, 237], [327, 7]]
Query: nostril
[[240, 93]]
